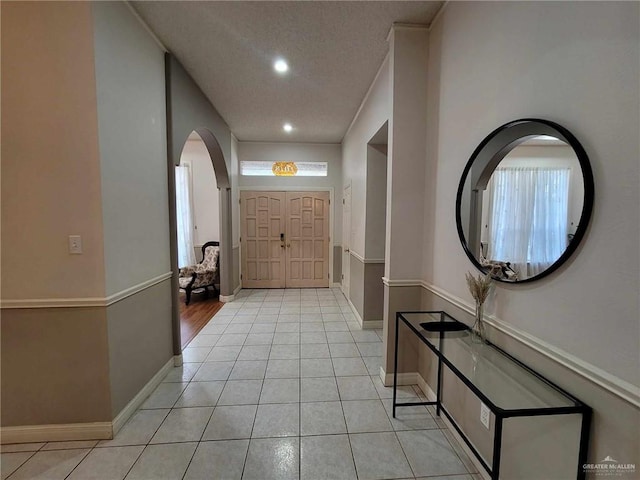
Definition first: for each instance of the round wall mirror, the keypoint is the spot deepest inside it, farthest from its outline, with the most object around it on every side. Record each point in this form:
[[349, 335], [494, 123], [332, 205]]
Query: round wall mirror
[[524, 200]]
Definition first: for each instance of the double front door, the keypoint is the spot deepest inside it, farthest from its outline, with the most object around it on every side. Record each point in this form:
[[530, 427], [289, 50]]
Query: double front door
[[284, 239]]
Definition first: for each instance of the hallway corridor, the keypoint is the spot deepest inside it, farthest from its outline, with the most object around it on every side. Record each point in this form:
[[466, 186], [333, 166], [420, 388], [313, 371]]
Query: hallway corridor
[[281, 384]]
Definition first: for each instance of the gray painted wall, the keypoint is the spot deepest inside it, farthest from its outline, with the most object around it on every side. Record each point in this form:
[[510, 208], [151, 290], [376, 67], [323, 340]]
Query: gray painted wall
[[139, 341], [236, 267], [131, 121], [132, 133], [614, 428], [373, 292], [337, 264], [366, 289], [356, 284], [400, 299], [189, 110]]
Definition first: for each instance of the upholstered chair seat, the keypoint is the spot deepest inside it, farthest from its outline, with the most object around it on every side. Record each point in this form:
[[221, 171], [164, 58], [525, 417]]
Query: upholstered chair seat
[[201, 275]]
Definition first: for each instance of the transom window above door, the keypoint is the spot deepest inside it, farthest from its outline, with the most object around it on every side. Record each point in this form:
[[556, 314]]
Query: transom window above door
[[283, 168]]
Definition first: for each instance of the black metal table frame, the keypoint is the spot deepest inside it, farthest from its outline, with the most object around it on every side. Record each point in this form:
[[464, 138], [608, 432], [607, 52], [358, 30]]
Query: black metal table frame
[[500, 413]]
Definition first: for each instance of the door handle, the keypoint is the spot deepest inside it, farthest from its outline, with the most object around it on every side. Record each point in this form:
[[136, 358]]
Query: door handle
[[288, 245], [282, 240], [346, 250]]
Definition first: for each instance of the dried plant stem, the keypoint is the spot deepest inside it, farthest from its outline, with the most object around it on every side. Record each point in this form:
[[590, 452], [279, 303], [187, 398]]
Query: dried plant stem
[[479, 286]]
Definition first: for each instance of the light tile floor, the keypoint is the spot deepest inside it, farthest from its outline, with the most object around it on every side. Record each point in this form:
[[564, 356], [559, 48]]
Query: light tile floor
[[281, 384]]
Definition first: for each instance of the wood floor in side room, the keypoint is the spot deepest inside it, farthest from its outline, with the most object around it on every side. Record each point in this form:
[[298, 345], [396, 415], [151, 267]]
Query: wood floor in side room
[[194, 317]]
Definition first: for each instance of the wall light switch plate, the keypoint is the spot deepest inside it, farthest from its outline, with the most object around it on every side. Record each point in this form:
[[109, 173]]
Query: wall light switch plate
[[484, 415], [75, 244]]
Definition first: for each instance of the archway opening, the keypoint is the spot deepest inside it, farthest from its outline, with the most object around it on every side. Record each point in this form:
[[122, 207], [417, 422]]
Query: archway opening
[[198, 229], [201, 230]]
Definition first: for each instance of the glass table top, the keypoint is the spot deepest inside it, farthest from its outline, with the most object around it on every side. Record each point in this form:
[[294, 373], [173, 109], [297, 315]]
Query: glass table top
[[503, 381]]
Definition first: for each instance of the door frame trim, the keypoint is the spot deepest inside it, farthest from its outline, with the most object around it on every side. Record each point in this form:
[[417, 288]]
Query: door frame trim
[[293, 188], [345, 287]]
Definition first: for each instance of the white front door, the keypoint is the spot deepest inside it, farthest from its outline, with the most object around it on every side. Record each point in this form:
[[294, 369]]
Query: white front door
[[346, 239]]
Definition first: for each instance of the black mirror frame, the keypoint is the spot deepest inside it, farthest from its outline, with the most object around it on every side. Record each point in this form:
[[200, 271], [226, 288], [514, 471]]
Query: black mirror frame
[[587, 207]]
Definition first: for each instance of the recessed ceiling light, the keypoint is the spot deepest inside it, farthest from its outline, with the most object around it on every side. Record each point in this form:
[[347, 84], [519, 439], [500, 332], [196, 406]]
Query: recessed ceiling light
[[287, 127], [281, 66]]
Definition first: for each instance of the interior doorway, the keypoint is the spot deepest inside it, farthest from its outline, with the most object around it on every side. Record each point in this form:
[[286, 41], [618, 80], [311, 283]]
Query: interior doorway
[[198, 226], [285, 239]]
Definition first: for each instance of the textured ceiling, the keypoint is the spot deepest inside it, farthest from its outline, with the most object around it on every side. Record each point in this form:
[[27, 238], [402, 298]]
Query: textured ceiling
[[334, 50]]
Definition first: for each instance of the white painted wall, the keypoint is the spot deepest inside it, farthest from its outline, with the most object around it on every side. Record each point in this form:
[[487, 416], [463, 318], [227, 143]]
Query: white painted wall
[[576, 64], [373, 113], [407, 146], [129, 68], [297, 152], [205, 198]]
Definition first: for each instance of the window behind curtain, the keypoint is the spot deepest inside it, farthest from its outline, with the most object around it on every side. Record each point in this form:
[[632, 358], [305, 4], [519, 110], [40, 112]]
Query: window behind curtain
[[184, 216], [528, 217]]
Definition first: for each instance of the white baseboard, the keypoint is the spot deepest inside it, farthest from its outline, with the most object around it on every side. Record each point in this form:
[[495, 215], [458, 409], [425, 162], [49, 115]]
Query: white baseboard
[[355, 312], [365, 325], [431, 397], [84, 431], [336, 285], [371, 324], [426, 389], [56, 433], [232, 297], [407, 378], [135, 403]]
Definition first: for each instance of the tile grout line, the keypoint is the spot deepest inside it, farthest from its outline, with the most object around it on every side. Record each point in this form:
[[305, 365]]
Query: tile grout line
[[25, 460], [202, 434], [300, 378], [83, 459]]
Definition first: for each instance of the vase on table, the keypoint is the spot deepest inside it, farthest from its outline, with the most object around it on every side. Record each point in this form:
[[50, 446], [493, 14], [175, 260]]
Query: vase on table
[[477, 330]]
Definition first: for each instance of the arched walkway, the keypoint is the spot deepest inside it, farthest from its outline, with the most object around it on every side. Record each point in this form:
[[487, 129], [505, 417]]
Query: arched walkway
[[224, 191]]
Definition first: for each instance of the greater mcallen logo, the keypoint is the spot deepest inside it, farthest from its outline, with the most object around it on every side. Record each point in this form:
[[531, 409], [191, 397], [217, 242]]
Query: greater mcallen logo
[[609, 466]]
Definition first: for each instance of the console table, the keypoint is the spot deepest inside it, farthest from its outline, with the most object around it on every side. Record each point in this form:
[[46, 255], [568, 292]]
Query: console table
[[494, 376]]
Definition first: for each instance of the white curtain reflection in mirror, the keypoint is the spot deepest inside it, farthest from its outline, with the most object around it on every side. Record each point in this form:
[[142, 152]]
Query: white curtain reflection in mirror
[[528, 217]]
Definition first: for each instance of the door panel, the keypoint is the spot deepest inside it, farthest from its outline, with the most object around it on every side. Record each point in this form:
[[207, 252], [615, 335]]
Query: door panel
[[263, 220], [307, 253]]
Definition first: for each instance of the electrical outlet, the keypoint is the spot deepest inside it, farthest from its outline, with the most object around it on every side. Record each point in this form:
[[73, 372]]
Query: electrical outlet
[[484, 415], [75, 244]]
